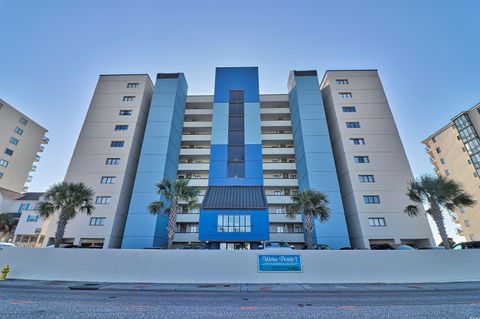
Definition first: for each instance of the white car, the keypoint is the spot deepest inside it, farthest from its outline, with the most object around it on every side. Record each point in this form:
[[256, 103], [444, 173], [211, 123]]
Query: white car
[[4, 245], [275, 245]]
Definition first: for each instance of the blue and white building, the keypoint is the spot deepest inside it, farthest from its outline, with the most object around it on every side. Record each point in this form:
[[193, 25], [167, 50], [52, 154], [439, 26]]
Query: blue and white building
[[247, 153]]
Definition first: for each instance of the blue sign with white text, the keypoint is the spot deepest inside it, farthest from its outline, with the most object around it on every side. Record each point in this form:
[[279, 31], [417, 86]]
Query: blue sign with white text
[[276, 263]]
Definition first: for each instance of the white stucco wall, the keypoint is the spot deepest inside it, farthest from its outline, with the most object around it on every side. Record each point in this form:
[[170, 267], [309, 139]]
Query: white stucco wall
[[207, 266]]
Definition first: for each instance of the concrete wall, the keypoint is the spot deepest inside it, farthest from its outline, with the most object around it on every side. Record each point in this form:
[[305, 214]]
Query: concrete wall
[[175, 266]]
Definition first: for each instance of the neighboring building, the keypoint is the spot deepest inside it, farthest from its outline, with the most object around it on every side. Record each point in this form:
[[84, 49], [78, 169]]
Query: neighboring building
[[29, 227], [105, 158], [247, 153], [21, 139], [454, 152], [371, 163]]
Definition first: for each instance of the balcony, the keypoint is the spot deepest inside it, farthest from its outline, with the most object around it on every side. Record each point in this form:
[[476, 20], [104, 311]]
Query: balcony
[[188, 218], [278, 123], [37, 158], [41, 148], [185, 237], [195, 151], [280, 182], [194, 167], [279, 166], [278, 199], [29, 178], [288, 237], [198, 124], [198, 111], [33, 169], [277, 137], [198, 182], [45, 140], [282, 218], [274, 110], [278, 151], [194, 137]]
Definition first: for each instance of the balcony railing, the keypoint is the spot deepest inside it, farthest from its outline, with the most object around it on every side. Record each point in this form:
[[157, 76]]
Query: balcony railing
[[45, 140]]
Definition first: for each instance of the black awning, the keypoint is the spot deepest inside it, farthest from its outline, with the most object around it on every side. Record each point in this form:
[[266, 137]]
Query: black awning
[[235, 197]]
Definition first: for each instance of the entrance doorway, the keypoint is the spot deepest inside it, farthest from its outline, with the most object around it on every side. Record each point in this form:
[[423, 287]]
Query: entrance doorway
[[234, 246]]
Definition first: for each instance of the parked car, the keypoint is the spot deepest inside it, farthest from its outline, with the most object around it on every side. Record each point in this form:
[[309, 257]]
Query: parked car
[[432, 248], [64, 246], [194, 246], [388, 246], [467, 245], [319, 247], [5, 245], [275, 245]]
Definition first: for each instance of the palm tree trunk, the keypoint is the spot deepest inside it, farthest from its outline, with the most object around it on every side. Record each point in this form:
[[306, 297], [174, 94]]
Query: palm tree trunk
[[61, 225], [437, 216], [172, 224], [308, 224]]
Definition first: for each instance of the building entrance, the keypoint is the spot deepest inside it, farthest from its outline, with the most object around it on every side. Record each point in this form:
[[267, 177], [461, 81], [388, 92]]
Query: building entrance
[[234, 246]]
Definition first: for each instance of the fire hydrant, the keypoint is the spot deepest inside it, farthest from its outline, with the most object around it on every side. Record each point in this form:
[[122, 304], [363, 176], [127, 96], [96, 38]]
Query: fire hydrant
[[5, 271]]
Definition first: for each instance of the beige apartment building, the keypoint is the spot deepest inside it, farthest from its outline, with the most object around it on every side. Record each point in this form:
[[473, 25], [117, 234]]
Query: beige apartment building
[[22, 141], [372, 166], [106, 157], [454, 152]]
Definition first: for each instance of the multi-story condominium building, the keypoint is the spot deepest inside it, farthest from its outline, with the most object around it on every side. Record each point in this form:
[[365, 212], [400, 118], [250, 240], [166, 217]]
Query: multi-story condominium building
[[247, 153], [372, 166], [454, 151], [30, 224], [106, 157], [21, 141]]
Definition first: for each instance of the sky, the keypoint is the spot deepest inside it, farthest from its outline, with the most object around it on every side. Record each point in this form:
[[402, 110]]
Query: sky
[[52, 52]]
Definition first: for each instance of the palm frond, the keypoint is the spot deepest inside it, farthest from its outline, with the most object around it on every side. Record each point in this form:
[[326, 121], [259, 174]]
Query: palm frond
[[411, 210], [156, 207]]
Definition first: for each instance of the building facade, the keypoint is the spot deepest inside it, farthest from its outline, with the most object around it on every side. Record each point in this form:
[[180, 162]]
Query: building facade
[[247, 153], [454, 152], [28, 232], [21, 142]]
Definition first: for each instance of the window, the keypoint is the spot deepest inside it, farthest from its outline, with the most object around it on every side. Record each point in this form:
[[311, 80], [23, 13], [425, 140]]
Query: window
[[97, 221], [121, 127], [357, 141], [447, 173], [1, 175], [349, 109], [366, 179], [282, 229], [117, 144], [112, 161], [13, 141], [32, 218], [342, 81], [278, 210], [236, 135], [103, 200], [277, 193], [132, 85], [9, 152], [469, 162], [462, 210], [439, 150], [234, 224], [128, 98], [23, 121], [19, 131], [3, 163], [23, 207], [125, 112], [434, 140], [467, 223], [108, 180], [195, 211], [353, 124], [377, 222], [345, 95], [361, 159], [371, 199], [277, 176], [442, 161]]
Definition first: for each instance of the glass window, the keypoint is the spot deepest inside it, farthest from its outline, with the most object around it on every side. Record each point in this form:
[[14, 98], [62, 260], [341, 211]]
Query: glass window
[[236, 123], [117, 143], [366, 179], [342, 81], [236, 169], [112, 161], [345, 95], [9, 152], [357, 141], [121, 127], [371, 199], [361, 159], [353, 124], [235, 138], [349, 109], [3, 163], [108, 180], [233, 223], [132, 85], [125, 112], [13, 141], [236, 153], [128, 98], [377, 222], [19, 131], [97, 221], [103, 200], [1, 175], [23, 121]]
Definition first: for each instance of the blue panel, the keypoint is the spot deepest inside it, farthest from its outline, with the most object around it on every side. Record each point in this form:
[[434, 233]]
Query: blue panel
[[244, 78], [314, 157], [208, 226], [158, 160]]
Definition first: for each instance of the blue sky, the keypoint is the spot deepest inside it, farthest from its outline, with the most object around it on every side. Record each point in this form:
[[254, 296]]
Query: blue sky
[[427, 53]]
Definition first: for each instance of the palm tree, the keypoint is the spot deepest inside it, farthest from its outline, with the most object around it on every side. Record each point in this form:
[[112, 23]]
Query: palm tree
[[313, 205], [7, 224], [172, 194], [68, 199], [438, 192]]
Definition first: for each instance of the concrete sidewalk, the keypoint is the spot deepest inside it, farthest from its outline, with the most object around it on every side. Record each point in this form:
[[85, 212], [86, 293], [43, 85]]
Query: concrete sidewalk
[[278, 288]]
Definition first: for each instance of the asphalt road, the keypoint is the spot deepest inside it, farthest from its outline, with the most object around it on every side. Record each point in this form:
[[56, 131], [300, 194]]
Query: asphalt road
[[63, 303]]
